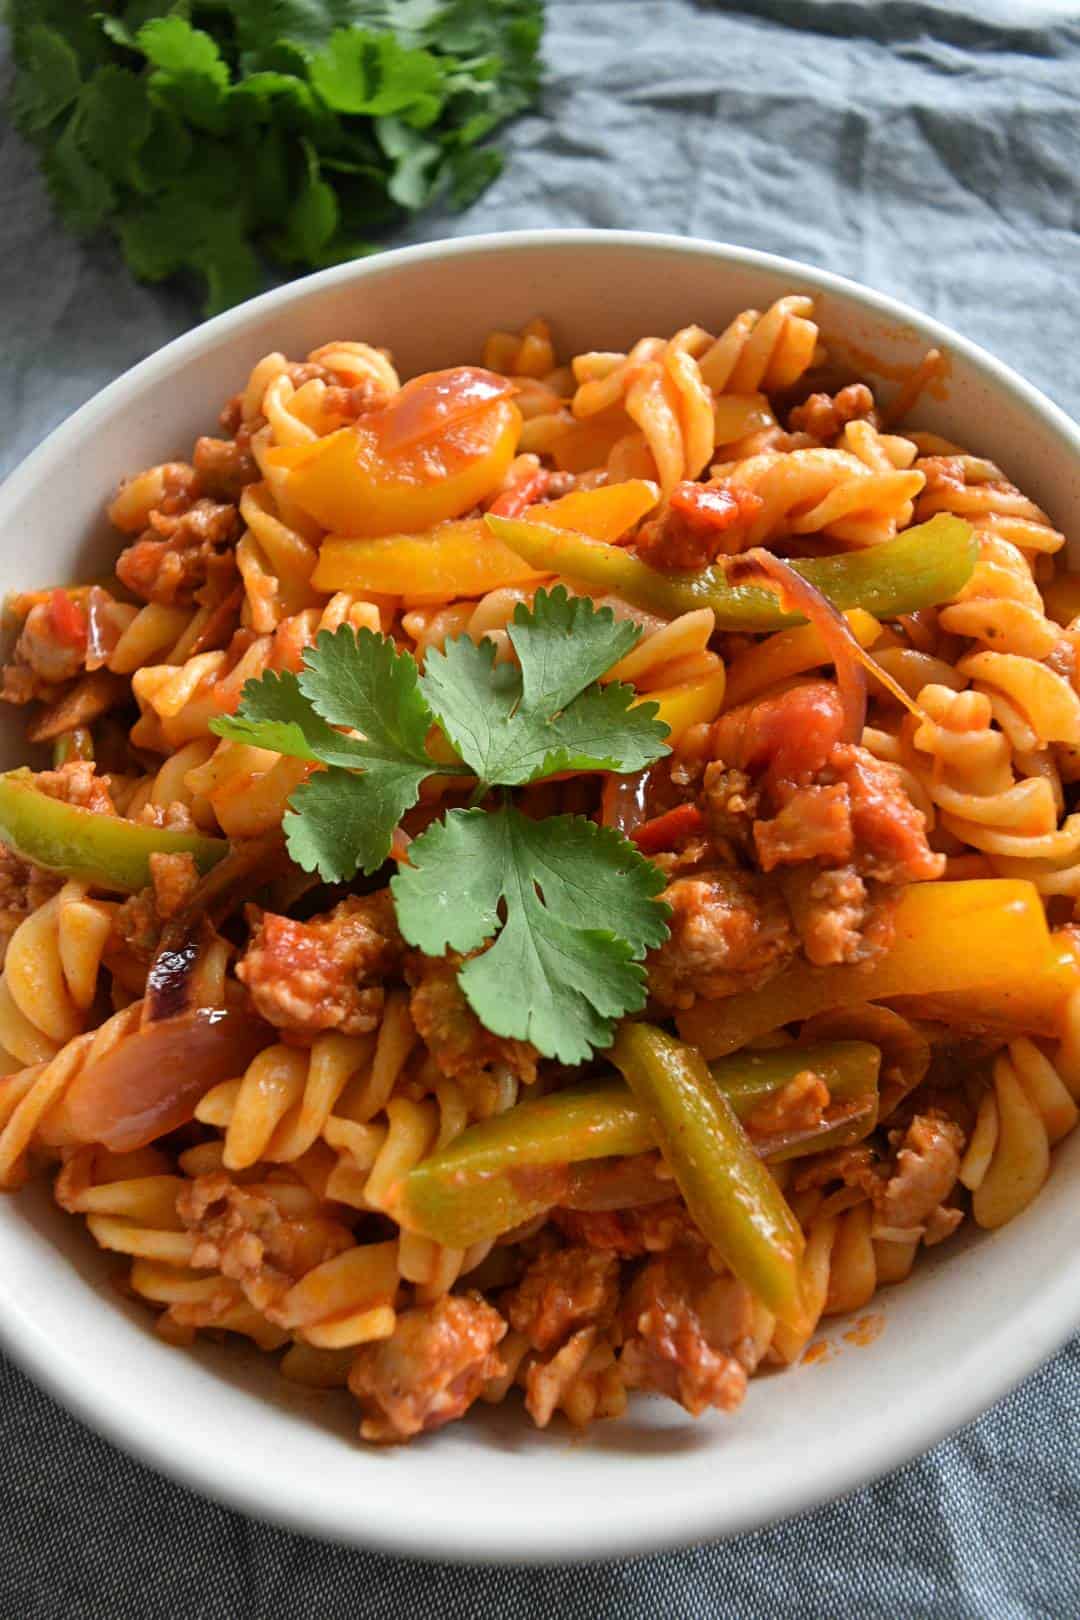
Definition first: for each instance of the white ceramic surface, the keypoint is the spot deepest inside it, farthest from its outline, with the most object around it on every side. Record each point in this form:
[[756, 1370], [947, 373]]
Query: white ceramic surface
[[977, 1316]]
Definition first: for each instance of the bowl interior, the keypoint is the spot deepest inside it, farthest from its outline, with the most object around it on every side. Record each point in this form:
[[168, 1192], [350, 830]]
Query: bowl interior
[[975, 1317]]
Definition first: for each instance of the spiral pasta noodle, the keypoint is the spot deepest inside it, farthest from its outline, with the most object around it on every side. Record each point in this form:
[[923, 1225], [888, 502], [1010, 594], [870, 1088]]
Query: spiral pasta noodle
[[973, 488], [379, 1137], [31, 1099], [995, 798], [824, 491], [334, 1303], [843, 1268], [50, 975], [1029, 1107], [158, 633], [666, 391], [582, 1379]]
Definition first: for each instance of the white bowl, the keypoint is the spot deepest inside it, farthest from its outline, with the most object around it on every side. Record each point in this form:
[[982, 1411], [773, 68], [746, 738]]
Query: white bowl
[[976, 1317]]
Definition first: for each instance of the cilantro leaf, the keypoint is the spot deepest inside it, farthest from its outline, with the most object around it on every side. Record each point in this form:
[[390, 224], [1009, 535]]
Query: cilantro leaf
[[189, 72], [550, 976], [356, 678], [414, 176], [513, 725], [115, 115], [333, 829], [358, 71], [81, 193], [310, 219], [564, 644], [475, 698], [274, 713], [344, 817], [471, 171], [49, 81], [605, 729], [209, 137], [183, 228]]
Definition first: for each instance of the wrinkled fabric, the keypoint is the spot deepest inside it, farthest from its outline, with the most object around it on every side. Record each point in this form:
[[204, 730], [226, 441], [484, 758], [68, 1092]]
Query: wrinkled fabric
[[930, 150]]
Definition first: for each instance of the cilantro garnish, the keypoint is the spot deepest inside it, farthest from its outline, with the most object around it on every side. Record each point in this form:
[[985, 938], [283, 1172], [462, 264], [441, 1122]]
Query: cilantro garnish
[[515, 724], [295, 129], [567, 908], [572, 907], [337, 821]]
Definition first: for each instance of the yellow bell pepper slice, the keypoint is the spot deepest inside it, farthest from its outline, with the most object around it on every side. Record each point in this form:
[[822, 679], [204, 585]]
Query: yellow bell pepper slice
[[441, 447], [692, 704], [465, 559], [949, 936], [1032, 1004], [456, 559]]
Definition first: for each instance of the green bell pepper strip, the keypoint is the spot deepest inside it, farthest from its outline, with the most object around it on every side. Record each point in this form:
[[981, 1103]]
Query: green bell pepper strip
[[503, 1171], [104, 850], [919, 568], [849, 1069], [507, 1169], [729, 1192]]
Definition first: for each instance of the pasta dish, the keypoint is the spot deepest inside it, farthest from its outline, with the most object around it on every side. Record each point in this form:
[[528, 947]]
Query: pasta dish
[[546, 876]]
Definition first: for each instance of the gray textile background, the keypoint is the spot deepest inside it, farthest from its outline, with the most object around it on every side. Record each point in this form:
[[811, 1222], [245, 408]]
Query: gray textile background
[[932, 151]]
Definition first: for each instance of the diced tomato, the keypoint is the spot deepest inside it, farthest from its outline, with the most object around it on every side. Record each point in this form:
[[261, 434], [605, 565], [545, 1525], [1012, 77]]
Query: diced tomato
[[689, 532], [716, 506], [674, 827], [67, 619]]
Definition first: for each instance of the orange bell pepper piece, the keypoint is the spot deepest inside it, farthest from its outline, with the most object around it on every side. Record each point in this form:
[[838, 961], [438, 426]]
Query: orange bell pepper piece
[[602, 514], [442, 446], [983, 934], [1033, 1004], [465, 559]]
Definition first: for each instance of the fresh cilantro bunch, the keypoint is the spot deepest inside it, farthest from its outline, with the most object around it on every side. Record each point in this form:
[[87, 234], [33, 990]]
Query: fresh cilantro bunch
[[566, 908], [206, 134]]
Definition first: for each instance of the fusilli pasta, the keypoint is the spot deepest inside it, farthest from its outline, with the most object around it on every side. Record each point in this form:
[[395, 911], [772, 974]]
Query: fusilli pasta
[[797, 825]]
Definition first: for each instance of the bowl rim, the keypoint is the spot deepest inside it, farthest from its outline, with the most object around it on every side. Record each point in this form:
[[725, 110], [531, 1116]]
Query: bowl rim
[[993, 1365]]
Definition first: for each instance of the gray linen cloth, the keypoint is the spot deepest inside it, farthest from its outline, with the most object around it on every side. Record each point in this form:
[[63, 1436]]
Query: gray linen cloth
[[931, 151]]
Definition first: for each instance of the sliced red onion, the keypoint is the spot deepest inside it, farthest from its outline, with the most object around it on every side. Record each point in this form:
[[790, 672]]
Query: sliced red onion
[[153, 1080], [797, 595]]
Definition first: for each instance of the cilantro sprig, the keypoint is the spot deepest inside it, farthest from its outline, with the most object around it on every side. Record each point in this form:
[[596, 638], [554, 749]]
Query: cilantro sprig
[[516, 723], [566, 908], [208, 135]]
